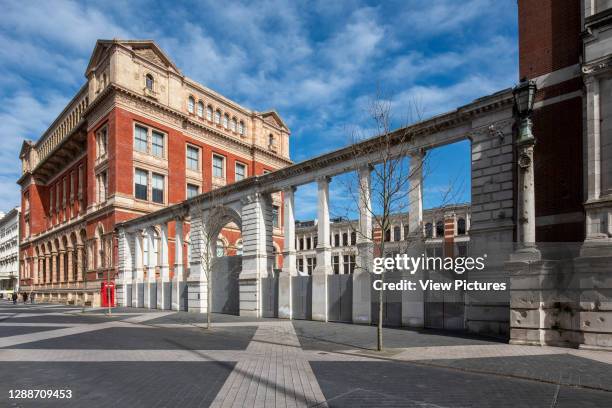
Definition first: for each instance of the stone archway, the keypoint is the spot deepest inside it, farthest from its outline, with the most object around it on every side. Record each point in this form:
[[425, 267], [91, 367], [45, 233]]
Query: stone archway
[[226, 266]]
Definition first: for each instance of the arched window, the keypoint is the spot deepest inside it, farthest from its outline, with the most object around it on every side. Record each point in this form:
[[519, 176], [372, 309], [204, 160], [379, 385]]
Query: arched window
[[217, 117], [225, 121], [239, 247], [220, 248], [461, 226], [149, 82], [241, 130], [190, 104], [440, 229], [209, 113], [270, 139], [428, 230], [234, 125], [200, 109]]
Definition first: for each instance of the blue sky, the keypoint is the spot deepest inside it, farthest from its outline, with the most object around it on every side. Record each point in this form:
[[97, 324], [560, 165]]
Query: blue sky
[[318, 63]]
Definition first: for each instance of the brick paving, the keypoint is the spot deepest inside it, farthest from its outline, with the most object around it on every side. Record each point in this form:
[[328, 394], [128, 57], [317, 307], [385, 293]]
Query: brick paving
[[148, 358]]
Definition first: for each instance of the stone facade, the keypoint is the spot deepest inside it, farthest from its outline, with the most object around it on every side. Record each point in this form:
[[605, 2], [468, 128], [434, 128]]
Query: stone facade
[[9, 252], [137, 137]]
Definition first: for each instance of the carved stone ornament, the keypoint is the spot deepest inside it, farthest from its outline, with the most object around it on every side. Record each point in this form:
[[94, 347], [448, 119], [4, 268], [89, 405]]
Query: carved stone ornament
[[524, 161]]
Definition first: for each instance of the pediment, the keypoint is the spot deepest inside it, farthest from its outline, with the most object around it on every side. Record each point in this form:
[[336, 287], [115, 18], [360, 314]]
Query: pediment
[[145, 49], [274, 119]]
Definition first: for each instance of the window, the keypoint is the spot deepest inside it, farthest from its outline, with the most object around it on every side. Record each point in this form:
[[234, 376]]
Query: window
[[461, 226], [300, 264], [301, 243], [190, 104], [344, 239], [192, 190], [157, 144], [225, 121], [429, 230], [336, 264], [220, 248], [311, 264], [140, 184], [440, 229], [239, 247], [397, 231], [149, 82], [102, 184], [308, 242], [388, 235], [200, 109], [349, 263], [406, 231], [337, 240], [241, 129], [140, 138], [234, 125], [193, 158], [101, 142], [218, 166], [240, 171], [217, 117], [157, 188], [209, 113], [271, 140], [26, 201], [353, 238], [275, 214]]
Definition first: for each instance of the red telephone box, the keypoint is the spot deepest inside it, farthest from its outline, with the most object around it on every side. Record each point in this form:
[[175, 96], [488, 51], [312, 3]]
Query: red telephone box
[[107, 294]]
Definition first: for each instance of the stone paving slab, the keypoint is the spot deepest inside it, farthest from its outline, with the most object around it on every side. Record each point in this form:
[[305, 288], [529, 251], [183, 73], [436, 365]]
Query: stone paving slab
[[556, 368], [375, 384], [137, 337], [6, 331], [342, 336], [104, 385]]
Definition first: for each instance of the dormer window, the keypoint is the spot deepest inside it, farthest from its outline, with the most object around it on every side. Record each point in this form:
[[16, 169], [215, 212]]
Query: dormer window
[[190, 104], [149, 82]]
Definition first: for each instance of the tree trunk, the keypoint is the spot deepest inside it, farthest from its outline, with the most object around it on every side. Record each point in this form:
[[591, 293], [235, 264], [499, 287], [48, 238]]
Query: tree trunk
[[379, 326], [208, 300]]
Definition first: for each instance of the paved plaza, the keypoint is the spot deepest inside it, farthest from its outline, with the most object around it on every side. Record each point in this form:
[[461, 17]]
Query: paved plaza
[[148, 358]]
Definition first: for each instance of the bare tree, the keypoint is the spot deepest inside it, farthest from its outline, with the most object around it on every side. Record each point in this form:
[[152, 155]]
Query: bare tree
[[390, 185], [213, 221]]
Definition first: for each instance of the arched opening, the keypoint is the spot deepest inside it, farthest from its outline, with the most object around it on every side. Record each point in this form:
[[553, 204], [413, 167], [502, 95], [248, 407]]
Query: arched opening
[[149, 82], [225, 227], [461, 226], [440, 229]]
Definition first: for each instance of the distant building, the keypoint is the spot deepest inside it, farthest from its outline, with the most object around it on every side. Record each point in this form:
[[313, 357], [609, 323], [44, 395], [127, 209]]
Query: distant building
[[442, 225], [9, 251]]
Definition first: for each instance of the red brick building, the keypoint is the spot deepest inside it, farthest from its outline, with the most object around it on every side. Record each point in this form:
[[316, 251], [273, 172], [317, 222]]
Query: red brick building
[[138, 136], [550, 52]]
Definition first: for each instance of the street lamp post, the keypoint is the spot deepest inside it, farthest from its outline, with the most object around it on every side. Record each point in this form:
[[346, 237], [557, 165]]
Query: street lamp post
[[524, 95]]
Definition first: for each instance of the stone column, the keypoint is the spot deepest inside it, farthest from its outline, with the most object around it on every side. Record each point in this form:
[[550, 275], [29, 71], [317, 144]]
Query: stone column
[[70, 277], [362, 292], [80, 265], [285, 306], [177, 280], [197, 282], [413, 302], [138, 276], [150, 294], [323, 268], [35, 270], [124, 283], [62, 265], [53, 267], [257, 251], [163, 283]]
